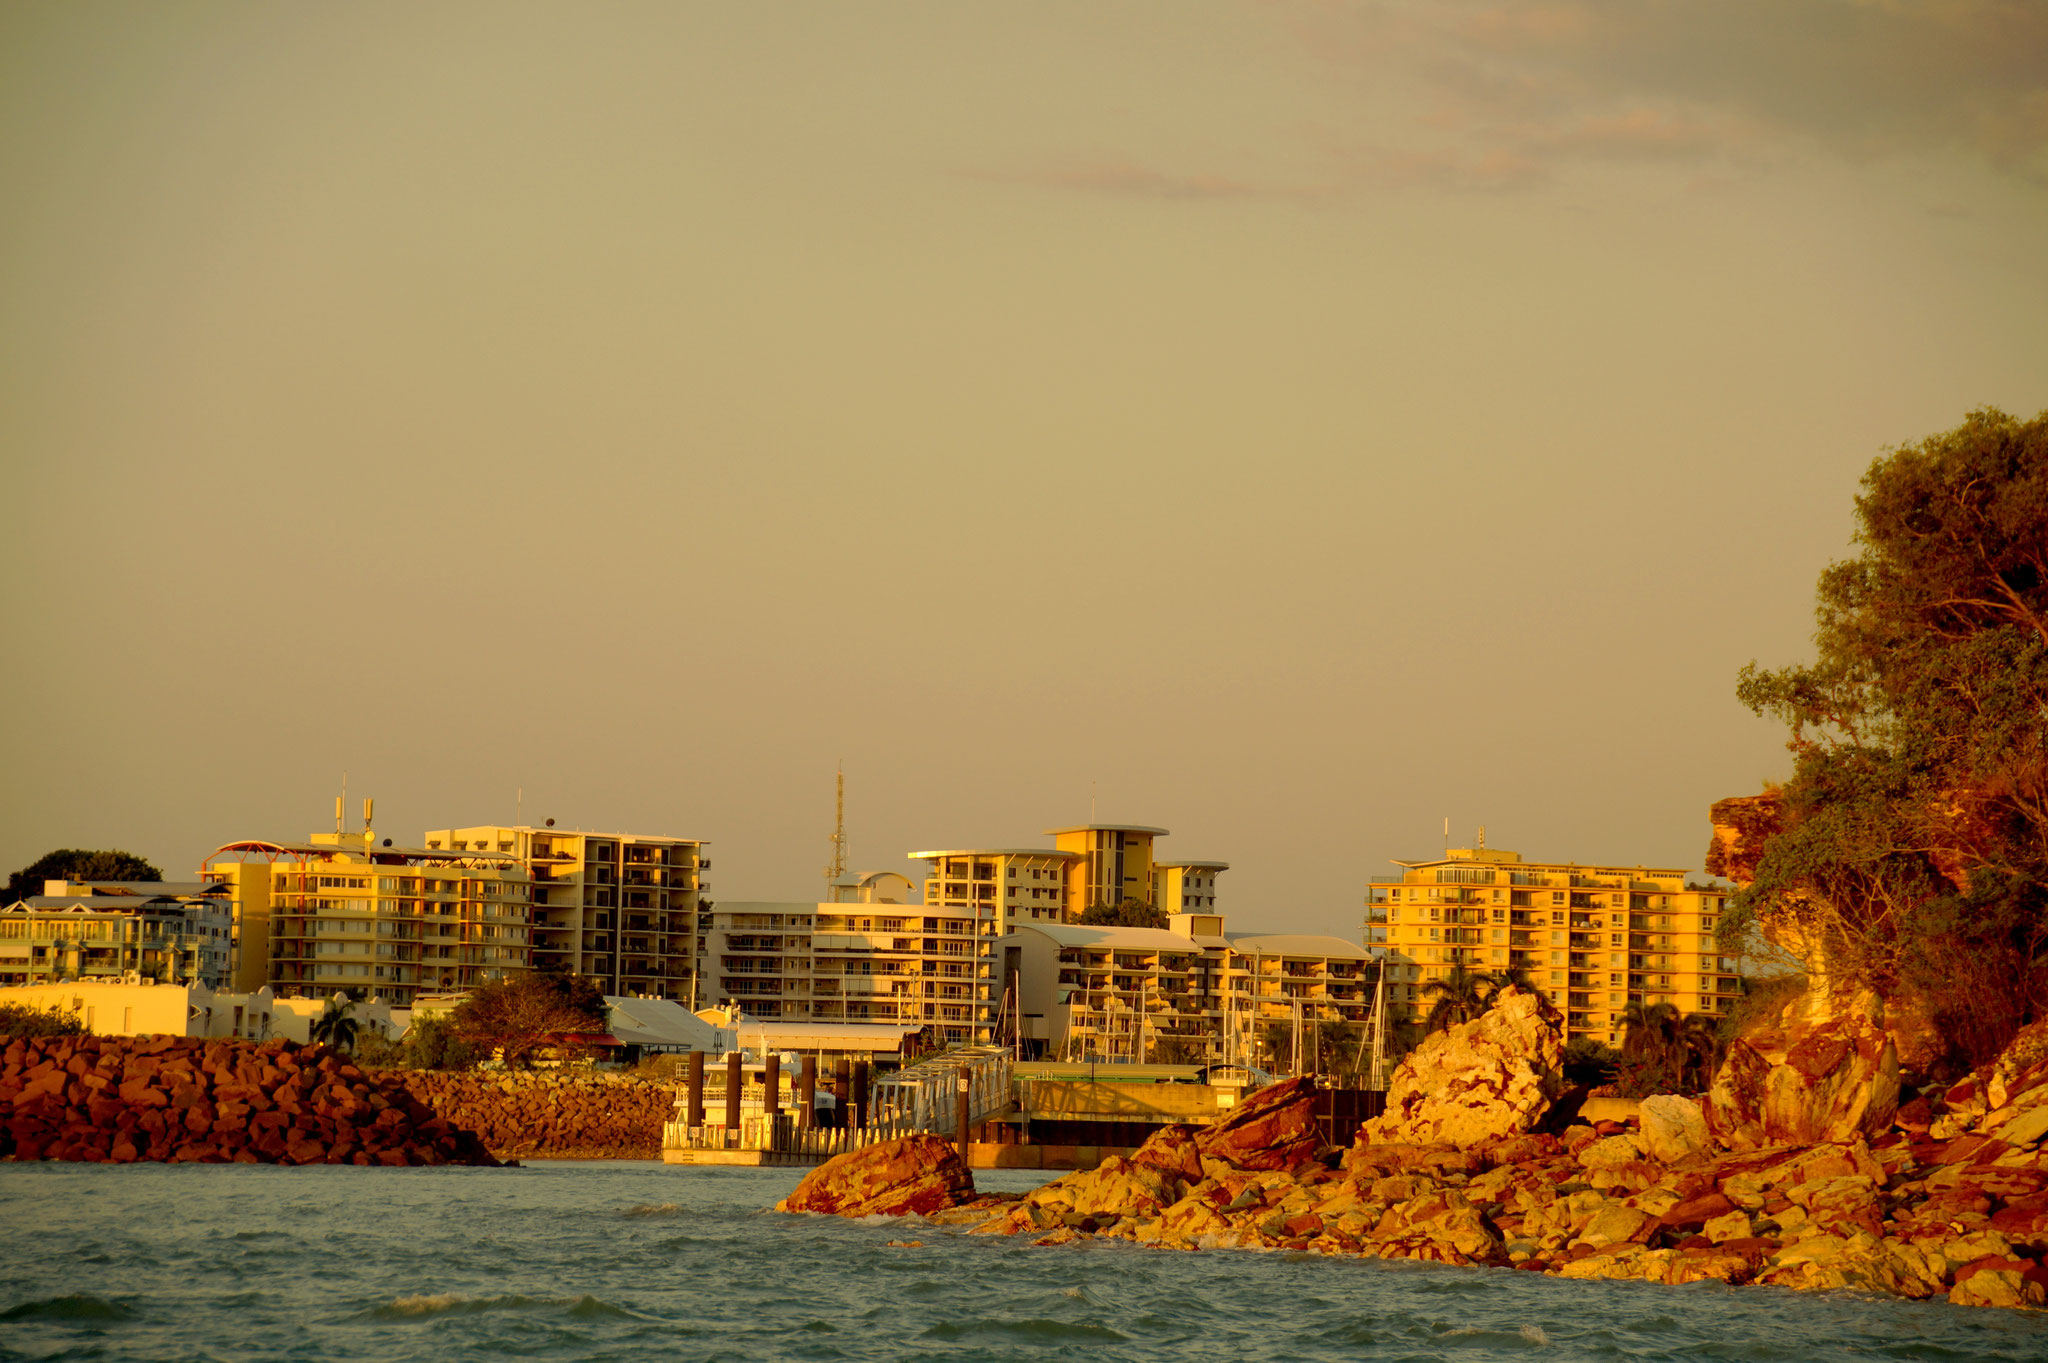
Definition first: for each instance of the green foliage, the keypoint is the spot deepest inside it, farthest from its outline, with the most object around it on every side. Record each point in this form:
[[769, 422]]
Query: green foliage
[[518, 1016], [1665, 1052], [434, 1044], [1131, 913], [1459, 997], [24, 1020], [336, 1026], [1589, 1062], [1914, 848], [76, 863]]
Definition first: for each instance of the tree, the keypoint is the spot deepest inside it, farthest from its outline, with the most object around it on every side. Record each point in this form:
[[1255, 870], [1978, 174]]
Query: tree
[[26, 1020], [518, 1016], [434, 1044], [337, 1025], [1460, 996], [1910, 847], [1131, 913], [76, 863]]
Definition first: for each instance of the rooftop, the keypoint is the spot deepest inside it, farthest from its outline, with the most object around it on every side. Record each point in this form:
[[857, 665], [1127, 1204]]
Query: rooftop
[[996, 852], [1107, 828]]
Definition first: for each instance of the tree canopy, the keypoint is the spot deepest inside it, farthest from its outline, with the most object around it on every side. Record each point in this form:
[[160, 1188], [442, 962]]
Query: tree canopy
[[518, 1016], [76, 863], [1912, 853], [1131, 913]]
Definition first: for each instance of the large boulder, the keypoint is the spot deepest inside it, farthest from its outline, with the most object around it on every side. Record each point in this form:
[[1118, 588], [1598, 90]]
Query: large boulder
[[1275, 1128], [1828, 1073], [1673, 1129], [1492, 1077], [919, 1173]]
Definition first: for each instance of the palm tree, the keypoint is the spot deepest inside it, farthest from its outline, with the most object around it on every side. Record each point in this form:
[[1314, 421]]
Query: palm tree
[[1699, 1041], [336, 1026], [1460, 996], [1650, 1034]]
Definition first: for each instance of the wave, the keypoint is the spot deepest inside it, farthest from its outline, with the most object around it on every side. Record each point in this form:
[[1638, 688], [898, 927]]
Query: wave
[[68, 1308], [1038, 1329], [450, 1304]]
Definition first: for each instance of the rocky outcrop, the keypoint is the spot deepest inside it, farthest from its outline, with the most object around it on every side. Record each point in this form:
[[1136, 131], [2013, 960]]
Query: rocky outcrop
[[549, 1113], [920, 1173], [182, 1101], [1833, 1077], [1490, 1078], [1275, 1128]]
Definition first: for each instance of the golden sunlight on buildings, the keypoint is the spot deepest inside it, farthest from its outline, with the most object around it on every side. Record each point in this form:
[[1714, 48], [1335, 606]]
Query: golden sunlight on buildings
[[1594, 938]]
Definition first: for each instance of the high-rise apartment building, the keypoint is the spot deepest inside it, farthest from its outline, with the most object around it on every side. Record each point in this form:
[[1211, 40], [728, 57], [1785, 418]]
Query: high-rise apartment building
[[1002, 886], [1113, 862], [1089, 864], [350, 911], [114, 930], [866, 958], [617, 908], [1595, 938], [1186, 886]]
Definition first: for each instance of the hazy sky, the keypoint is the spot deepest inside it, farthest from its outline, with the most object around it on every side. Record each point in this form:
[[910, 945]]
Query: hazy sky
[[1298, 422]]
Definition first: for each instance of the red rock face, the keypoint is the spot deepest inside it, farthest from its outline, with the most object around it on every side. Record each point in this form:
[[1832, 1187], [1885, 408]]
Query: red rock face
[[1830, 1081], [1742, 825], [920, 1173], [1273, 1129], [1172, 1150], [182, 1100]]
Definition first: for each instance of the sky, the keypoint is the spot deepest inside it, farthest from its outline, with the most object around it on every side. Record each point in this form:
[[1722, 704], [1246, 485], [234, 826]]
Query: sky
[[1290, 424]]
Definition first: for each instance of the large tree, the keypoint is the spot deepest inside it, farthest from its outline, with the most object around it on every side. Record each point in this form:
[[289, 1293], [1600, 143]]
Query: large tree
[[76, 863], [1911, 848], [518, 1016]]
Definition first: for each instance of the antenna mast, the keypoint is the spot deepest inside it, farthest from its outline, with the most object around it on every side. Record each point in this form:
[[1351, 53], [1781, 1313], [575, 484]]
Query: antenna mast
[[838, 865]]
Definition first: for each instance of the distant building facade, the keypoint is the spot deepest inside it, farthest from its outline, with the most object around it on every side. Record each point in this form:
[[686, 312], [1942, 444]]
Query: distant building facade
[[1594, 938], [346, 911], [618, 908], [171, 933]]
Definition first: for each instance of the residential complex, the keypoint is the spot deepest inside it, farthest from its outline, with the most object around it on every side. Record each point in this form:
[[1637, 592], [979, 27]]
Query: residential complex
[[116, 931], [1193, 993], [347, 911], [1595, 938], [619, 908], [1088, 865], [867, 959]]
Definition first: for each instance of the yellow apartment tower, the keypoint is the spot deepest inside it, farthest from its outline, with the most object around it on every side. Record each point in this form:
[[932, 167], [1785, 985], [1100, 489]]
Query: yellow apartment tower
[[1112, 863], [1594, 938], [616, 908], [351, 911]]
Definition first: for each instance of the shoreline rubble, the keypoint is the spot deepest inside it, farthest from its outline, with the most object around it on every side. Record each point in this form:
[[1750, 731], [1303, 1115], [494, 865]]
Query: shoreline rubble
[[1947, 1194]]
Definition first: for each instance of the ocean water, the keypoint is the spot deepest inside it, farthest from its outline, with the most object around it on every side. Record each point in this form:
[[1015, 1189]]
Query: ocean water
[[631, 1261]]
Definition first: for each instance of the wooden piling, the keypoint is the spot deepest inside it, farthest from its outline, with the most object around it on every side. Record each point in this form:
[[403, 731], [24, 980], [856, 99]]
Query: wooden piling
[[842, 1090], [960, 1113], [695, 1115], [771, 1079], [733, 1080], [860, 1093], [807, 1091]]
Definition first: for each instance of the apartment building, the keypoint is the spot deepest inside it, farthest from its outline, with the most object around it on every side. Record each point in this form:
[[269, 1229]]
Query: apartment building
[[618, 908], [1001, 886], [1192, 993], [350, 911], [1595, 938], [173, 933], [1089, 864], [873, 959]]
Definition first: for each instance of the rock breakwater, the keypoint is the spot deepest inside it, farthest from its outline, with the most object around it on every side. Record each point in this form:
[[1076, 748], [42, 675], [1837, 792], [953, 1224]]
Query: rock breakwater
[[181, 1100], [548, 1114]]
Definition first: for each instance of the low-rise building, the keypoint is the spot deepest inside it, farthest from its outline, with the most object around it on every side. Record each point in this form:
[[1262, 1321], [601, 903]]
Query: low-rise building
[[1594, 938], [1192, 994], [172, 933], [145, 1008]]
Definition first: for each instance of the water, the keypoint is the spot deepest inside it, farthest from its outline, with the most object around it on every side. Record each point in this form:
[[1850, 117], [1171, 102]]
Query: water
[[631, 1261]]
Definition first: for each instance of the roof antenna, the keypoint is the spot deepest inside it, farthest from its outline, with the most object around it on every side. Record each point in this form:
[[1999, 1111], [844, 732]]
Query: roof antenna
[[837, 868], [1482, 837], [1091, 799]]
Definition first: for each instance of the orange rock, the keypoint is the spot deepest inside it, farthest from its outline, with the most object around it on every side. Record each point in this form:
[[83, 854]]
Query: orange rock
[[919, 1173]]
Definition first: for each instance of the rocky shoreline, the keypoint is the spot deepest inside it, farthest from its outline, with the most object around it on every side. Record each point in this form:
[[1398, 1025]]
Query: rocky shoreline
[[178, 1100], [1800, 1170]]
